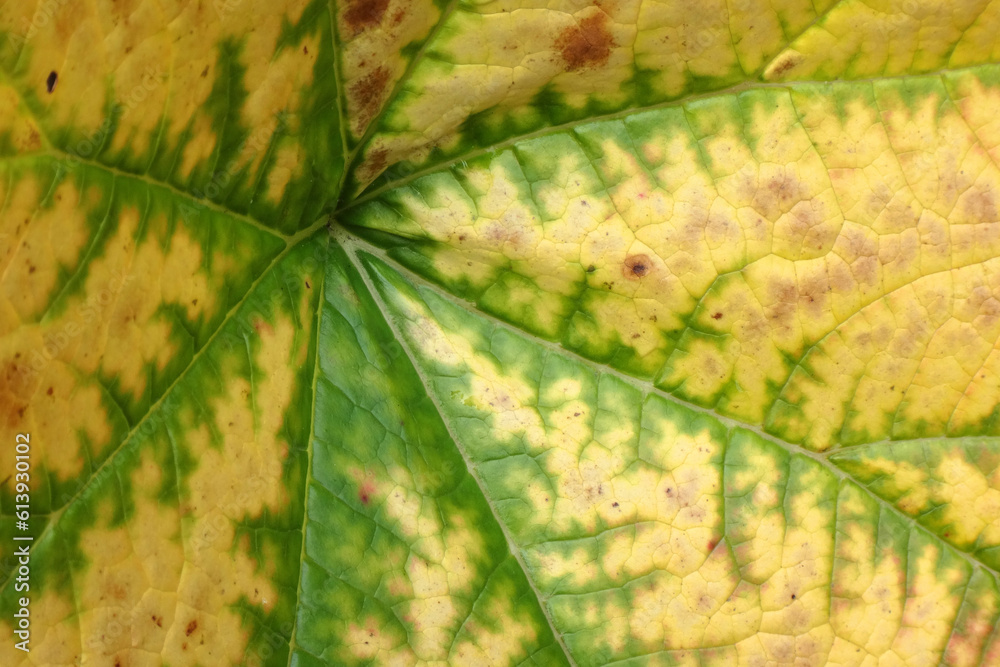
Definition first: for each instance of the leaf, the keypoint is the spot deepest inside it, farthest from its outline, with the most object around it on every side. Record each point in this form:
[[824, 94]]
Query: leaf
[[499, 333]]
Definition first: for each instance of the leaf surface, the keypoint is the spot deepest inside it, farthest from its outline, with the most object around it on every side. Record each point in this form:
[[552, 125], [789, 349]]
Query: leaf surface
[[415, 332]]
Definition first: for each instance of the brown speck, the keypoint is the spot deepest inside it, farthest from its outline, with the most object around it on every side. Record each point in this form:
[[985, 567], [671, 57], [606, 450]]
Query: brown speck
[[191, 627], [49, 392], [793, 596], [204, 72], [308, 285], [363, 14], [636, 266], [717, 316], [587, 44], [614, 504], [591, 268], [50, 83], [305, 50], [782, 68], [194, 302], [376, 162]]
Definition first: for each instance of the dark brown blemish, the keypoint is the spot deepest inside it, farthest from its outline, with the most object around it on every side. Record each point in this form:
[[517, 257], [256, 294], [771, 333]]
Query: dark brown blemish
[[204, 72], [369, 91], [591, 268], [717, 316], [49, 392], [636, 266], [375, 164], [614, 504], [363, 14], [587, 44], [50, 83], [788, 63], [308, 285], [191, 627], [305, 50], [157, 619]]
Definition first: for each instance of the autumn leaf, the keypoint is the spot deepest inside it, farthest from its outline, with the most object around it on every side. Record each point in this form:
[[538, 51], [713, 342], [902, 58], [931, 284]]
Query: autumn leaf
[[491, 332]]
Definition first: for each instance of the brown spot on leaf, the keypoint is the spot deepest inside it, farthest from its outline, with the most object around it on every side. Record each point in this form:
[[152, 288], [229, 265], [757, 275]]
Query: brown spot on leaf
[[50, 83], [364, 14], [784, 64], [717, 316], [587, 44], [636, 266], [368, 93], [191, 627], [375, 164]]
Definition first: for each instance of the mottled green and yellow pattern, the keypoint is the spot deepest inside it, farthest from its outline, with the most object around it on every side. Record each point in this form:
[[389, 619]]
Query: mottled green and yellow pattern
[[501, 332]]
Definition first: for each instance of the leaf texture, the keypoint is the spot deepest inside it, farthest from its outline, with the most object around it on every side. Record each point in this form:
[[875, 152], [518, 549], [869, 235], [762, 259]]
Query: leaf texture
[[497, 332]]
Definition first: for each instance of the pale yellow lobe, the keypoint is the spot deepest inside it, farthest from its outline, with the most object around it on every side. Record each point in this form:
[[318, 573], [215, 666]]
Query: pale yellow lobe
[[830, 252]]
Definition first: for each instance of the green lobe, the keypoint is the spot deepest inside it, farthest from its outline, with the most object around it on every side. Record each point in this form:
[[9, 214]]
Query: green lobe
[[403, 556]]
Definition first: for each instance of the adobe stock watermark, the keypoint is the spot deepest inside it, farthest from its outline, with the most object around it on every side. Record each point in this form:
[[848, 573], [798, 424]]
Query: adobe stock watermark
[[39, 20], [225, 8], [249, 149], [54, 342], [88, 147]]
